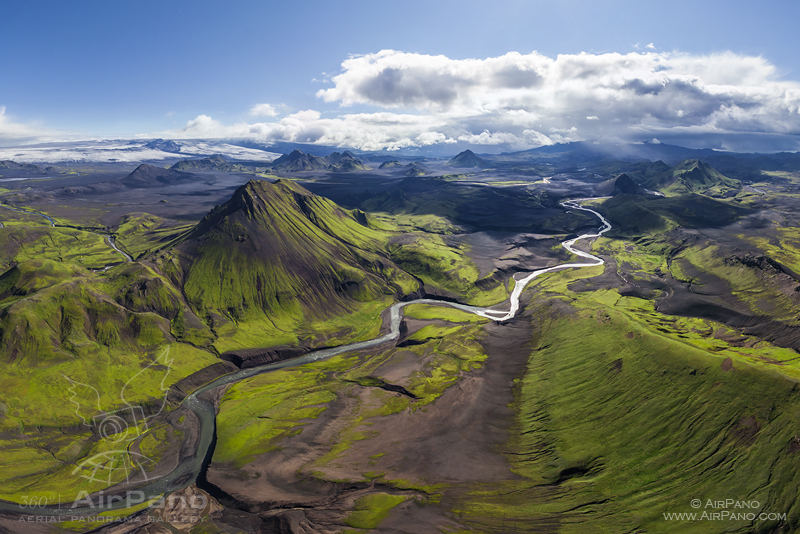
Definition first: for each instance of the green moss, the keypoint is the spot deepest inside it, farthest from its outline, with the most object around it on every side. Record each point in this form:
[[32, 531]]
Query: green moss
[[613, 433], [85, 249], [257, 413], [371, 510], [442, 312]]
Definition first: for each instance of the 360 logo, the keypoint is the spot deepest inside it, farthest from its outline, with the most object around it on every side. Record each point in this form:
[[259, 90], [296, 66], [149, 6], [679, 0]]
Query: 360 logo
[[120, 427]]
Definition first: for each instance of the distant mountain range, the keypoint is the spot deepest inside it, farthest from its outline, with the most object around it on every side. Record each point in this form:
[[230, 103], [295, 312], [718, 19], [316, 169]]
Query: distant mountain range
[[600, 157]]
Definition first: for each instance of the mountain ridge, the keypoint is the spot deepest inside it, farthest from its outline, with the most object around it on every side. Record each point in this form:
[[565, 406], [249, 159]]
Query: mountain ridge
[[692, 176]]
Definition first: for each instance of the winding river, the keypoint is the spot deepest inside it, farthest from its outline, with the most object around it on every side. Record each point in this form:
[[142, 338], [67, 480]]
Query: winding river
[[190, 468]]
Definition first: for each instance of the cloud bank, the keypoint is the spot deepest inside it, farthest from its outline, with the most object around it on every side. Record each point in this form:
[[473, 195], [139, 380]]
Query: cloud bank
[[518, 101]]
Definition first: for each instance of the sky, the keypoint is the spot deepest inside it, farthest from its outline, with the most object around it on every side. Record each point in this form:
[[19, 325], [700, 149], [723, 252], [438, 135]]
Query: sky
[[502, 75]]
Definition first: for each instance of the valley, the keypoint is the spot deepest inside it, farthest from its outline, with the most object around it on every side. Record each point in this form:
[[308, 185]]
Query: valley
[[533, 342]]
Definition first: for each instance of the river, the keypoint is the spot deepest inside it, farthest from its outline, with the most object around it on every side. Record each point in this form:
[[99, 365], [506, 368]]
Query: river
[[190, 468]]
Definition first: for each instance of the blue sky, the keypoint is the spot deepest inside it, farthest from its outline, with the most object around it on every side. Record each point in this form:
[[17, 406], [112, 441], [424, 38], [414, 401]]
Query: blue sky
[[187, 69]]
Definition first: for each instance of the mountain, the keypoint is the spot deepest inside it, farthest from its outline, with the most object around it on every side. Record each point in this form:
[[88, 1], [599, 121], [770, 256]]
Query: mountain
[[336, 162], [624, 185], [164, 146], [213, 163], [279, 250], [299, 161], [345, 162], [389, 164], [467, 159], [150, 176], [415, 169], [12, 169], [692, 176]]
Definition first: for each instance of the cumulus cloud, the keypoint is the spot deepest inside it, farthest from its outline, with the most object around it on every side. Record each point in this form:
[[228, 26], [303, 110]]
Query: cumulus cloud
[[263, 110], [522, 100], [638, 91]]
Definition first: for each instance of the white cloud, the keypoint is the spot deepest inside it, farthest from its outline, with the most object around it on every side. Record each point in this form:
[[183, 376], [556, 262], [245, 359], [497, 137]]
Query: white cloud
[[637, 91], [17, 133], [523, 100], [263, 110]]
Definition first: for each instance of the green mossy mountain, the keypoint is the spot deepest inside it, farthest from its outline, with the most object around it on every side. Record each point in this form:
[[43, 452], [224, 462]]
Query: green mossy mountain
[[52, 311], [692, 176], [277, 248]]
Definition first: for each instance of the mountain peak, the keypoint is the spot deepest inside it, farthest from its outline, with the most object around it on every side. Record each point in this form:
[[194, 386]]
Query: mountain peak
[[467, 159], [274, 245], [624, 185]]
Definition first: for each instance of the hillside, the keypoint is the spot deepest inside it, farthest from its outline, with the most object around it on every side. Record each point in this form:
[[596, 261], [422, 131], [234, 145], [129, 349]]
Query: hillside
[[692, 176], [467, 159], [149, 176]]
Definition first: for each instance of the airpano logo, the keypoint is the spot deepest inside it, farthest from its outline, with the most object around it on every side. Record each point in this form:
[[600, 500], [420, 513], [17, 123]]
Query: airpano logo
[[726, 510], [183, 507]]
